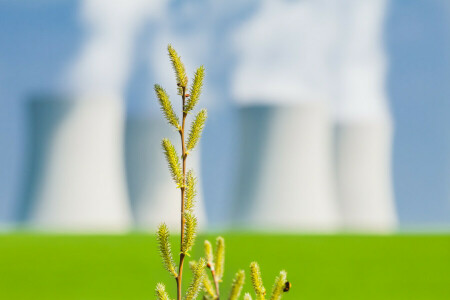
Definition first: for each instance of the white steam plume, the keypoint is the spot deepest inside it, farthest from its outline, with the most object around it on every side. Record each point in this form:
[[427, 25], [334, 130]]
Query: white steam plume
[[284, 52], [189, 30], [103, 63], [313, 50], [362, 62]]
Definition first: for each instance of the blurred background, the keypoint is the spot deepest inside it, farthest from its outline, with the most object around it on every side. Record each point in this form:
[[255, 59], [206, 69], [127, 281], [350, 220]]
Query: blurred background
[[325, 117], [322, 116]]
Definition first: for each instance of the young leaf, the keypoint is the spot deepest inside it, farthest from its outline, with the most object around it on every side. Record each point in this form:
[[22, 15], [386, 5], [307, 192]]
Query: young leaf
[[257, 281], [178, 67], [209, 255], [166, 106], [191, 192], [237, 285], [220, 257], [196, 129], [173, 161], [161, 292], [196, 89], [197, 280], [190, 231], [279, 285], [165, 249]]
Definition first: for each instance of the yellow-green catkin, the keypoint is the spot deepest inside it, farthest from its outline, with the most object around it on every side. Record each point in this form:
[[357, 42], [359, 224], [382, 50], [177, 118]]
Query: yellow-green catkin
[[161, 293], [166, 107], [196, 89], [236, 287], [207, 284], [196, 129], [190, 232], [220, 257], [209, 254], [198, 273], [165, 249], [190, 192], [257, 282], [278, 286], [173, 161], [208, 287], [247, 296], [178, 67]]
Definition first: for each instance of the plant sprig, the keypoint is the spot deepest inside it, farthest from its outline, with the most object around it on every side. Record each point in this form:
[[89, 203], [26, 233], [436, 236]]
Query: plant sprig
[[186, 182]]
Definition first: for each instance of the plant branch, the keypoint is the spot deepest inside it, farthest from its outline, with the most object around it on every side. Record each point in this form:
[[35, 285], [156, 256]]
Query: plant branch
[[183, 188], [216, 283]]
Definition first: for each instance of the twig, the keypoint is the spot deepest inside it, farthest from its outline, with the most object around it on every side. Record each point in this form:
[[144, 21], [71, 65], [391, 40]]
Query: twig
[[183, 187]]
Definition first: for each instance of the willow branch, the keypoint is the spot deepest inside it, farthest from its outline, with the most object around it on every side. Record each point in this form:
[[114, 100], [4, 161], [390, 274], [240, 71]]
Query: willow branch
[[183, 188]]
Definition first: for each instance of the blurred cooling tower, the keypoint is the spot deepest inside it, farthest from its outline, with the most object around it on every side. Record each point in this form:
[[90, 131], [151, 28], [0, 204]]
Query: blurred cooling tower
[[363, 141], [286, 177], [154, 196], [76, 178], [364, 175]]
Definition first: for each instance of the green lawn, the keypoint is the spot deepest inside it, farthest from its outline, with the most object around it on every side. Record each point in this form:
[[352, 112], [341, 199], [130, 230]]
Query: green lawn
[[319, 267]]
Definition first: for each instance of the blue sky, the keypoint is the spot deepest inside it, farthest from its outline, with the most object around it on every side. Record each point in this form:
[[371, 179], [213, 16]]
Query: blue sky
[[418, 43], [38, 39]]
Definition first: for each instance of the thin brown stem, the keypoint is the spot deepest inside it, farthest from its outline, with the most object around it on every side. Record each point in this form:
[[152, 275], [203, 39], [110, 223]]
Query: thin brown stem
[[184, 156], [216, 283]]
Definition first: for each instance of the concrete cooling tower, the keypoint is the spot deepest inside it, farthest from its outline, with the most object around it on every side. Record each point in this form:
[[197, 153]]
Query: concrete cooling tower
[[154, 196], [363, 119], [286, 176], [76, 174], [364, 175]]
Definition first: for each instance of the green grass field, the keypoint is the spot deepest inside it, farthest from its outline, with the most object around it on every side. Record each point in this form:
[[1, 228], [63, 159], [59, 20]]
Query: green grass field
[[319, 267]]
